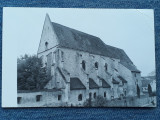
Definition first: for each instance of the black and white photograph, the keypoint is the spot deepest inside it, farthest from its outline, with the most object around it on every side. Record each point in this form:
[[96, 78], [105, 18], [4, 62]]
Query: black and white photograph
[[70, 57]]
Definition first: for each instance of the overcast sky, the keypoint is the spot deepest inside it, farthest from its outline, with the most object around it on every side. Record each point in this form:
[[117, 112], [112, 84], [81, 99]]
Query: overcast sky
[[129, 29]]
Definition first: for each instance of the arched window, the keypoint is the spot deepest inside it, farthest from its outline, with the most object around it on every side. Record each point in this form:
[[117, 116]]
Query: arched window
[[96, 65], [106, 67], [62, 56], [80, 97], [94, 95], [83, 65], [46, 45], [104, 94], [90, 95]]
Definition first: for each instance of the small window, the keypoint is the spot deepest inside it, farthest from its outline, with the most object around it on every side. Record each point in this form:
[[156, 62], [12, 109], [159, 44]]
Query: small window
[[59, 97], [62, 56], [104, 94], [83, 65], [80, 97], [42, 57], [116, 70], [135, 75], [106, 66], [54, 58], [19, 100], [38, 98], [96, 65], [90, 95], [46, 45], [94, 95]]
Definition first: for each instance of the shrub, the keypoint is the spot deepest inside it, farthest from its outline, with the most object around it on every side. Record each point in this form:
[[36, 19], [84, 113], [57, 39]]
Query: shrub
[[99, 101]]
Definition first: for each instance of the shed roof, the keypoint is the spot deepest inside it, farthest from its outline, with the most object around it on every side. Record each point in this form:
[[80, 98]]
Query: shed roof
[[74, 39], [92, 84], [122, 79], [76, 84], [104, 83], [114, 81]]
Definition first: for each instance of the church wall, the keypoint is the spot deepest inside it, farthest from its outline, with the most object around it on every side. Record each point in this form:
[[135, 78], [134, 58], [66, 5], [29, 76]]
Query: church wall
[[73, 97], [108, 93], [71, 60], [127, 75], [92, 91], [49, 98], [73, 64], [137, 78]]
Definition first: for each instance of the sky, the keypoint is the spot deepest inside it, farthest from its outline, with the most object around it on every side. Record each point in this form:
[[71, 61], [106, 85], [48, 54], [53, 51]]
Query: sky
[[129, 29]]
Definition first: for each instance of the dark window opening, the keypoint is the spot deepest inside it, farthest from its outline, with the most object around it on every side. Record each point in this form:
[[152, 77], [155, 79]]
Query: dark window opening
[[62, 56], [80, 97], [59, 97], [94, 95], [38, 98], [116, 70], [135, 74], [96, 65], [106, 67], [46, 45], [104, 94], [19, 100], [83, 65], [90, 95]]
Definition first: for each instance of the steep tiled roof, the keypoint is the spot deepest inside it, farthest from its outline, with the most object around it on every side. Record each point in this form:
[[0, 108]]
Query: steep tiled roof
[[114, 81], [122, 79], [74, 39], [76, 84], [130, 66], [92, 84]]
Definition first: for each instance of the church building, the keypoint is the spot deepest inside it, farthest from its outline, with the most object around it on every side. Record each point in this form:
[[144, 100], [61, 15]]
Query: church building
[[82, 66]]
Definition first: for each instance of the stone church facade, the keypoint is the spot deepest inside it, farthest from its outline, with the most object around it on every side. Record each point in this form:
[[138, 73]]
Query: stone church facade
[[83, 67]]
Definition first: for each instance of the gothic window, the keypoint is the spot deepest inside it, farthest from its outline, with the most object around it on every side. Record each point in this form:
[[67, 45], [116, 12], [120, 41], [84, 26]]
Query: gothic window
[[59, 97], [80, 97], [94, 95], [90, 95], [106, 67], [54, 58], [19, 100], [62, 56], [42, 57], [104, 94], [46, 45], [38, 98], [49, 61], [83, 65], [96, 65]]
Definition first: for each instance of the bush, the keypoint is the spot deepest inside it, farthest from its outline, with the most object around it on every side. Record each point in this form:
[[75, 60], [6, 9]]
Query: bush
[[87, 103], [99, 101]]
